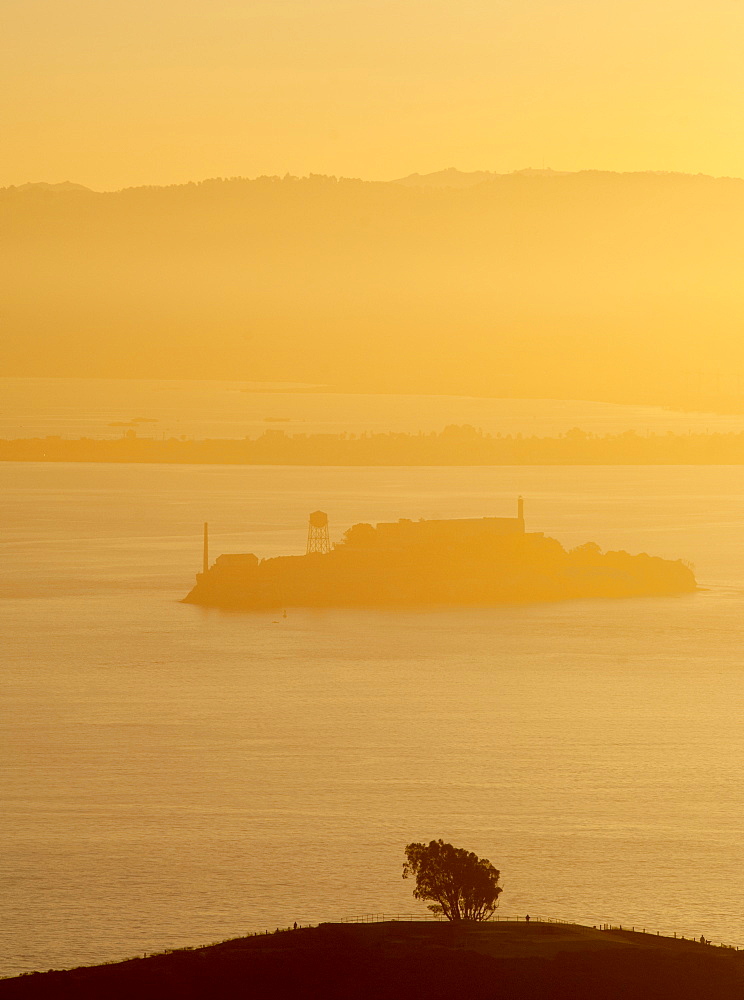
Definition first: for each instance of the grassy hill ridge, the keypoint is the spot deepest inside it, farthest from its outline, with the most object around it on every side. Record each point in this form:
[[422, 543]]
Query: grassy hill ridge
[[410, 960]]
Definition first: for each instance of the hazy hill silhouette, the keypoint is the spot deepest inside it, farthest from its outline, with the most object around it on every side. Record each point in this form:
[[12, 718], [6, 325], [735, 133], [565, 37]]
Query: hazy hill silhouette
[[45, 186], [454, 178], [587, 285]]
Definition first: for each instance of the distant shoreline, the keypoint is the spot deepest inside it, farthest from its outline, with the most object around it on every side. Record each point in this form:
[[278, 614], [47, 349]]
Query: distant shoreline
[[454, 446]]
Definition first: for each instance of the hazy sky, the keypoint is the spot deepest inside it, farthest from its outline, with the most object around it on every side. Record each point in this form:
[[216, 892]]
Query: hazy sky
[[110, 94]]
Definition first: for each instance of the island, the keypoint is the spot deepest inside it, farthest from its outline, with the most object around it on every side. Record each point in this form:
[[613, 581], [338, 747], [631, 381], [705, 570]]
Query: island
[[406, 563]]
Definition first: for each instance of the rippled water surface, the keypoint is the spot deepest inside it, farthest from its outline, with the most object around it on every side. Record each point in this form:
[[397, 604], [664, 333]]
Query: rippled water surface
[[173, 775]]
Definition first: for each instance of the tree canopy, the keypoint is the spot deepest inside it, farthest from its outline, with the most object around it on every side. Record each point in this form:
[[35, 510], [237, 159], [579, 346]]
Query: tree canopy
[[462, 885]]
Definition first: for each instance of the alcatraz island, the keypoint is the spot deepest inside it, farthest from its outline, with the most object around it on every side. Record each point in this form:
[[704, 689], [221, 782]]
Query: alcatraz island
[[406, 563]]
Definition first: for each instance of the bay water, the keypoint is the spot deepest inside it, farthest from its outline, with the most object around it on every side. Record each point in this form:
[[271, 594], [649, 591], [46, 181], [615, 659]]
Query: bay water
[[174, 775]]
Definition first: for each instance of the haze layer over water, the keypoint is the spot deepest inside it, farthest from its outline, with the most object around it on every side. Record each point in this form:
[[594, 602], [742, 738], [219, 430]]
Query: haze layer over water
[[157, 408]]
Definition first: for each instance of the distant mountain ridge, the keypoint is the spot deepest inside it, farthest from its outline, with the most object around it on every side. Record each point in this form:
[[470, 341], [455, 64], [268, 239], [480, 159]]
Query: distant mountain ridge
[[454, 178], [450, 177], [590, 285], [62, 186]]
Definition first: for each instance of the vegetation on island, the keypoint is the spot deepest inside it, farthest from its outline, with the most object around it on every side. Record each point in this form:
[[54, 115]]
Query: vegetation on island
[[461, 885]]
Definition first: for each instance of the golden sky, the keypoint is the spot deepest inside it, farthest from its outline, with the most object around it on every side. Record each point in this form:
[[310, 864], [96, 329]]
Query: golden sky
[[110, 94]]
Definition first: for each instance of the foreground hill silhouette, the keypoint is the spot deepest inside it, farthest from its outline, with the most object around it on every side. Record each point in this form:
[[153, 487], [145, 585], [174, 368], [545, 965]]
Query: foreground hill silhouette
[[471, 561], [409, 961], [590, 285]]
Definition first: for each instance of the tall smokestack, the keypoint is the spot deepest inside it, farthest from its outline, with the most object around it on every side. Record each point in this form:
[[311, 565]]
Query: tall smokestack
[[520, 510], [205, 563]]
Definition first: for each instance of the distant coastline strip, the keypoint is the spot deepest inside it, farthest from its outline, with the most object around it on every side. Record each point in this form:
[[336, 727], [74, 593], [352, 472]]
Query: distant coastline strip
[[455, 445]]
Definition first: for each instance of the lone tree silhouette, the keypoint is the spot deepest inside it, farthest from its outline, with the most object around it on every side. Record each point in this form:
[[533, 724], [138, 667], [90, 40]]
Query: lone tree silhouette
[[462, 885]]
